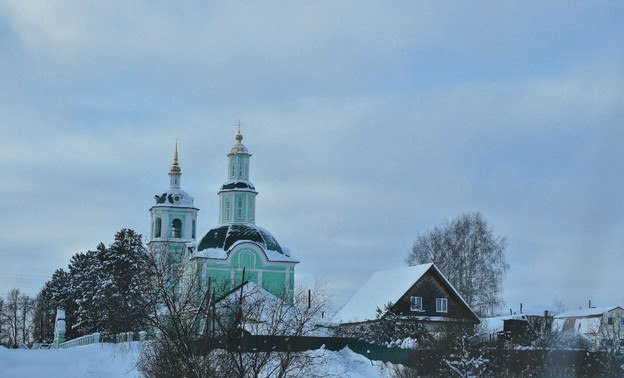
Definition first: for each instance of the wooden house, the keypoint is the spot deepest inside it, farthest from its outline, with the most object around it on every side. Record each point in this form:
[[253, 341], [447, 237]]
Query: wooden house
[[420, 293]]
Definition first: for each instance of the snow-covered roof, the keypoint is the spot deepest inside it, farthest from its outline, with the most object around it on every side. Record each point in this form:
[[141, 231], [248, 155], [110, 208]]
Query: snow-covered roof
[[174, 197], [217, 242], [586, 312], [266, 314], [238, 185], [383, 287]]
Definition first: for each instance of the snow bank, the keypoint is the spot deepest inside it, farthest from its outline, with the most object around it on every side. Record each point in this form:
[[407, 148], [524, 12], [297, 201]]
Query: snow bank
[[97, 360], [112, 361]]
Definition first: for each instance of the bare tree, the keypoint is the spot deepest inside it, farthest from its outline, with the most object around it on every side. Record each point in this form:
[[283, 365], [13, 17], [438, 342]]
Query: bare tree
[[3, 333], [11, 316], [173, 312], [26, 306], [199, 335], [470, 256]]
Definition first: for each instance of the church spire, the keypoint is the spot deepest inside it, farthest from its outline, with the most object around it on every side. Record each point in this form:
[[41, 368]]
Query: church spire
[[175, 172]]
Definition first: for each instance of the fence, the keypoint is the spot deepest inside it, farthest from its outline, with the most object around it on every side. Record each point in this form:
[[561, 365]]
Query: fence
[[94, 338], [130, 336]]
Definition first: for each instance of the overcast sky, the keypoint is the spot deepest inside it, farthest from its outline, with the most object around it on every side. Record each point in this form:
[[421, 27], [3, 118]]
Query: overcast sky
[[369, 124]]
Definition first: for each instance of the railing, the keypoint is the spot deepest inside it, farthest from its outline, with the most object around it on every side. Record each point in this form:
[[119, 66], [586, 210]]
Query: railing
[[94, 338], [130, 336]]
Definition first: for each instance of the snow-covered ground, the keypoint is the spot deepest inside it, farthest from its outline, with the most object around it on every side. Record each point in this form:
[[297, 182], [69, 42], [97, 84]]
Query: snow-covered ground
[[110, 360]]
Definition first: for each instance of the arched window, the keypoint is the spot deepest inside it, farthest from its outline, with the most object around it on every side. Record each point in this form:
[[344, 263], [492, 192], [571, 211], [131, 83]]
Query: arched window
[[239, 209], [176, 228], [157, 227]]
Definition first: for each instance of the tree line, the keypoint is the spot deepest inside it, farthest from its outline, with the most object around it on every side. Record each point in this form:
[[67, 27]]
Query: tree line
[[103, 290]]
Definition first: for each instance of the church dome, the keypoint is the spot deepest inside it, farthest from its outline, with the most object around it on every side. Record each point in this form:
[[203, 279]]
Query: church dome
[[225, 236]]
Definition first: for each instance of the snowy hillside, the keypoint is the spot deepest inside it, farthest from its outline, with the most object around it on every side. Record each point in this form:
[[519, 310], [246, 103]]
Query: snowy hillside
[[111, 361]]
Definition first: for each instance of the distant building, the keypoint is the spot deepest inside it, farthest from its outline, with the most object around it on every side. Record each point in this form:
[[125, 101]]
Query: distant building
[[418, 292], [235, 244], [603, 326], [523, 329]]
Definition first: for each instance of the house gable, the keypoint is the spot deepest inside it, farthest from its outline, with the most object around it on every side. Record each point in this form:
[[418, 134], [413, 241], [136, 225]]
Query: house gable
[[397, 286], [430, 287]]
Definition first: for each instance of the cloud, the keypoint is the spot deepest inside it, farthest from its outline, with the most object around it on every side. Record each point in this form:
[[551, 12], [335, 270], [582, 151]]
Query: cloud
[[369, 124]]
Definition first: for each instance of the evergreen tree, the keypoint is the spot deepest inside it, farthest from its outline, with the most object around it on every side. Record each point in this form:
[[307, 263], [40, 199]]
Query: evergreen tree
[[43, 316], [85, 275], [62, 297], [123, 293], [106, 290]]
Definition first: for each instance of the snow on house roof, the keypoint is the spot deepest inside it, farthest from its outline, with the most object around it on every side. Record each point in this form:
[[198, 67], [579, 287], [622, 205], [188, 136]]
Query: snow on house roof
[[383, 287], [586, 312]]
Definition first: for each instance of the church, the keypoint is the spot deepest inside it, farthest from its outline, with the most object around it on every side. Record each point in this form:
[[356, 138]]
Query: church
[[235, 244]]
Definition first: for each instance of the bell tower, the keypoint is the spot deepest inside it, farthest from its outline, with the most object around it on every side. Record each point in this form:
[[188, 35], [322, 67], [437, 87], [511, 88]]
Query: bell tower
[[173, 218], [237, 196]]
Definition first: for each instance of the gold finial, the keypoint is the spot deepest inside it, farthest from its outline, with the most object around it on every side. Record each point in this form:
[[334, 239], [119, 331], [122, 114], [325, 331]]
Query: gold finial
[[239, 137], [175, 168]]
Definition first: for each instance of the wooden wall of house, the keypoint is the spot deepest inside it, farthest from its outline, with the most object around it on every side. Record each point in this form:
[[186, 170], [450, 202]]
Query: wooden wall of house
[[430, 287]]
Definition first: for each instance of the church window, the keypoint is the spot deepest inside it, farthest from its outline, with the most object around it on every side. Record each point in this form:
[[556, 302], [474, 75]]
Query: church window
[[157, 227], [239, 209], [416, 304], [233, 171], [193, 231], [176, 228], [227, 209], [250, 209], [441, 305], [246, 169], [240, 169]]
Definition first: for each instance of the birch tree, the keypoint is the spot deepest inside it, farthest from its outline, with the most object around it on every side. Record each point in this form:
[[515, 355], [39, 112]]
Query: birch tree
[[470, 256]]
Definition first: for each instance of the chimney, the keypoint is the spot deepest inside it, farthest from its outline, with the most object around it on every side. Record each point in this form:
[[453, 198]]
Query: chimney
[[521, 307], [590, 304]]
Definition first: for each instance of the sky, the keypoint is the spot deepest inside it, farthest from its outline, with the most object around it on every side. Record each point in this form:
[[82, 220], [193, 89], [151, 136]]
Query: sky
[[370, 123]]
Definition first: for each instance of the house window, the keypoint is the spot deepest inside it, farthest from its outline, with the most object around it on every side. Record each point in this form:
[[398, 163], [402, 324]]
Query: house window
[[441, 305], [622, 322], [416, 304], [610, 320], [176, 228]]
